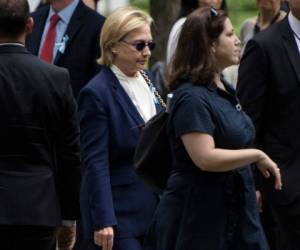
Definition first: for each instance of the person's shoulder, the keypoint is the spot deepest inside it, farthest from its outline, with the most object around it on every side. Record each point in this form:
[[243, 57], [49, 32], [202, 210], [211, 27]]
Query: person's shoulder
[[40, 12], [40, 66], [248, 23], [187, 91], [189, 96], [96, 16], [55, 78], [188, 87], [91, 15], [100, 87], [101, 82], [271, 34], [52, 79], [247, 26], [268, 40]]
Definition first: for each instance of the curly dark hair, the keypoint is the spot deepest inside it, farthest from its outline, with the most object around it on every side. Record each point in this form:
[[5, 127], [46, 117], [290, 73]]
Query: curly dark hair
[[193, 59]]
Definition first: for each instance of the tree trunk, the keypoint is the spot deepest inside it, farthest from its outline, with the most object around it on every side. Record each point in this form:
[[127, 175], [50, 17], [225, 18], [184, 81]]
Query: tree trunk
[[164, 13]]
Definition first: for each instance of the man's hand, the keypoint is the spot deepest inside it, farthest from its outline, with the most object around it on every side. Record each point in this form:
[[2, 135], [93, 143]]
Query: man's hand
[[66, 237], [104, 238]]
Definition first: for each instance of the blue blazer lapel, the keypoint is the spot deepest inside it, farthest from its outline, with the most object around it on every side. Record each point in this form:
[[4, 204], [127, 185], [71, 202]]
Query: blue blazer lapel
[[76, 22], [123, 99]]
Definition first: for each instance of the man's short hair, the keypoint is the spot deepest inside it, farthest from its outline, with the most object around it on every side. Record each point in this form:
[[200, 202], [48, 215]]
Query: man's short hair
[[13, 17]]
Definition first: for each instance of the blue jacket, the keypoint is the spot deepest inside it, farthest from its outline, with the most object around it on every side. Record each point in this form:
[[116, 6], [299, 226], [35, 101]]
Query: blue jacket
[[111, 192]]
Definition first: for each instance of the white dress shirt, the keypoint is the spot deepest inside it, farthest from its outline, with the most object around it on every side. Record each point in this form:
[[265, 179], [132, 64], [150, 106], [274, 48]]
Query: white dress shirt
[[138, 91], [295, 26]]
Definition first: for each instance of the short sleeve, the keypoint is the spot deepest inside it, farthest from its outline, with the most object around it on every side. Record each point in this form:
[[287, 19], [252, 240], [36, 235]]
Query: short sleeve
[[191, 113]]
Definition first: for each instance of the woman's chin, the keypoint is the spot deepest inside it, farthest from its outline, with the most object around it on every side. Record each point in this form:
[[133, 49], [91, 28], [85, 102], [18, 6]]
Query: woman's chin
[[141, 67], [236, 61]]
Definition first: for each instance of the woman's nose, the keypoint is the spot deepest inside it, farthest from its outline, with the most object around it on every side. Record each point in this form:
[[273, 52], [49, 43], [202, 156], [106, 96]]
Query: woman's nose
[[146, 51]]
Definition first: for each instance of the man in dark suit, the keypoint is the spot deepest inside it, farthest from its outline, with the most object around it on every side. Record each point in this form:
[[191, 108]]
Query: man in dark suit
[[77, 33], [269, 89], [39, 142]]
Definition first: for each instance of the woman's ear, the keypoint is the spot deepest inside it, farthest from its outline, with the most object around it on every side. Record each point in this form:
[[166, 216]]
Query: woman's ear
[[114, 49]]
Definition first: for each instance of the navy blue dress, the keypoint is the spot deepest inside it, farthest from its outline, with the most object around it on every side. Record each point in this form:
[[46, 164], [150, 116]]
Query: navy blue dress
[[207, 210]]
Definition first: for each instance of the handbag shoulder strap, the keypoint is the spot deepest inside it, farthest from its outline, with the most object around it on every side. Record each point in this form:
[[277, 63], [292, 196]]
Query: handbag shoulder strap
[[150, 84]]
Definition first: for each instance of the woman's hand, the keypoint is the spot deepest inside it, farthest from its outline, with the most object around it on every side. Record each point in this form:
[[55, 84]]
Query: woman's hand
[[104, 238], [267, 167]]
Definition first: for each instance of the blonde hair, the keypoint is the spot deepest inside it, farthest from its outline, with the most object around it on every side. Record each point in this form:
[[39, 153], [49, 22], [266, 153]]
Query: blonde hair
[[117, 25]]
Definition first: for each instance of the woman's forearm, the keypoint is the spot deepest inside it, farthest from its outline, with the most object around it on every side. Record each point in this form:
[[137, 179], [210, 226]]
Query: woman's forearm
[[201, 148], [219, 160]]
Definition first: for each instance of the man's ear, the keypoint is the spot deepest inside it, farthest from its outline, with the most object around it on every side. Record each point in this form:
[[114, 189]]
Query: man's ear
[[29, 25]]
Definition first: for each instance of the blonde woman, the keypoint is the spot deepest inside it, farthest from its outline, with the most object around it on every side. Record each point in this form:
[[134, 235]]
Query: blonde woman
[[116, 206]]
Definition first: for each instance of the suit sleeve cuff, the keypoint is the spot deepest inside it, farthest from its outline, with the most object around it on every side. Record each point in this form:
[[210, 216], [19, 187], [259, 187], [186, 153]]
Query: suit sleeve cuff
[[68, 223]]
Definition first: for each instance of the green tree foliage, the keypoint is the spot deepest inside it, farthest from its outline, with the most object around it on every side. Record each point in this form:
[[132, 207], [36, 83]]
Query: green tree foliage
[[143, 4], [242, 5]]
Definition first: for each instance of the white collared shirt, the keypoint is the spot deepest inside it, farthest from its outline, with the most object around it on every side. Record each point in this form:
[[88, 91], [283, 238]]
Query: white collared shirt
[[295, 26], [138, 91]]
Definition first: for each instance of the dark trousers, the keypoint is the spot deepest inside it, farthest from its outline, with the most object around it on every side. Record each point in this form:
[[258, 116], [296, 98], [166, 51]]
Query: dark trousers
[[16, 237], [282, 226]]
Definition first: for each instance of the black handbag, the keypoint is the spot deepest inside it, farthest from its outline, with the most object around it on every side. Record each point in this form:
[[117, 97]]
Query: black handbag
[[152, 159]]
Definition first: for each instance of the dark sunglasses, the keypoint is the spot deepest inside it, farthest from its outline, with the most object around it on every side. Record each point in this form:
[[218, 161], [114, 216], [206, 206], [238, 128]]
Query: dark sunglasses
[[140, 45]]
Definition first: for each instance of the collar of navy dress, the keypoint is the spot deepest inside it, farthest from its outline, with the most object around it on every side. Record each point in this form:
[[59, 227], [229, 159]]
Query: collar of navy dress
[[229, 94]]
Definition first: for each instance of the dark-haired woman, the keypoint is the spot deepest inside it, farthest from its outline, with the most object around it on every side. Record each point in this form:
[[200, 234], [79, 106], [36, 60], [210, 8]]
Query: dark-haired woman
[[186, 8], [209, 202]]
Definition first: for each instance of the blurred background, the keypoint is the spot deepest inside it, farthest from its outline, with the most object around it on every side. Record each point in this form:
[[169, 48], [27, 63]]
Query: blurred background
[[165, 13], [239, 10]]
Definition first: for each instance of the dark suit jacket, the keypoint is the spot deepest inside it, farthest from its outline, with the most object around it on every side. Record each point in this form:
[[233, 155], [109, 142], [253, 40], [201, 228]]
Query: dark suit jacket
[[82, 48], [111, 192], [39, 141], [269, 89]]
